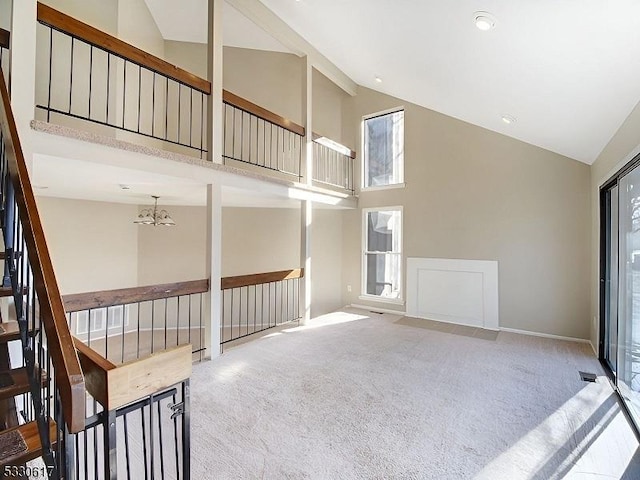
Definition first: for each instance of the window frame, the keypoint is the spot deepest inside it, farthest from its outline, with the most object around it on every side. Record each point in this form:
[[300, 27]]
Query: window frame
[[363, 254], [365, 154]]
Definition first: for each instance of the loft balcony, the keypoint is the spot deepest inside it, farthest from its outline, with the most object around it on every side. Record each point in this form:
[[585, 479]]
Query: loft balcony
[[93, 86]]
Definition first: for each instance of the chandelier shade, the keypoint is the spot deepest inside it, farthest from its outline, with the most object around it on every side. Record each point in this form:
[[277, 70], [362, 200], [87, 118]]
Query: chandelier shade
[[155, 217]]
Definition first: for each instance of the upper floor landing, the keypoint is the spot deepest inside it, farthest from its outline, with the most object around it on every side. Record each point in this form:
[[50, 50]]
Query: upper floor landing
[[105, 86]]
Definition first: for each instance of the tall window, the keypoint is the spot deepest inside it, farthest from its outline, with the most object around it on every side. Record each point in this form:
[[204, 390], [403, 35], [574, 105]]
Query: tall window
[[382, 258], [384, 149]]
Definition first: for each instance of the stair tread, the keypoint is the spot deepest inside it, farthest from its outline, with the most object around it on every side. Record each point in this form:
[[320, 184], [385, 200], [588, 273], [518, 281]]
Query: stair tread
[[9, 331], [19, 382], [8, 291], [31, 439]]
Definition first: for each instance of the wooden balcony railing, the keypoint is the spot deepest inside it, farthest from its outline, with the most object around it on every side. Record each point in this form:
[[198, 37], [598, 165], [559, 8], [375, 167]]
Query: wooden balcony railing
[[93, 76], [88, 75], [333, 163], [254, 303], [256, 136], [140, 411], [130, 323]]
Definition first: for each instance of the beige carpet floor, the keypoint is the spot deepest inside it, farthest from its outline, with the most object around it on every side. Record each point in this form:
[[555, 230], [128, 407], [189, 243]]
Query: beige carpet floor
[[356, 395]]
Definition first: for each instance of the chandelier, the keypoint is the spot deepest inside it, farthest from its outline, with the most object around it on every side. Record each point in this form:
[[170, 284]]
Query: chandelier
[[151, 216]]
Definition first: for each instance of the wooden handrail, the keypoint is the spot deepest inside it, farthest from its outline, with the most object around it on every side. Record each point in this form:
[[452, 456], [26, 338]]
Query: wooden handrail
[[5, 38], [97, 38], [108, 298], [258, 278], [114, 386], [68, 374], [263, 113]]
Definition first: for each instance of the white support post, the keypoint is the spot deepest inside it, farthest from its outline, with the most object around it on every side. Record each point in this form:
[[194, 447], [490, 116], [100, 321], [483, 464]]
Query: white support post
[[306, 206], [213, 304], [23, 70], [215, 110], [307, 114], [306, 217]]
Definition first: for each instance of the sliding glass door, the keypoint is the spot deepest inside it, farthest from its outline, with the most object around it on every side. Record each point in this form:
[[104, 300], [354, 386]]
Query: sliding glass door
[[620, 285]]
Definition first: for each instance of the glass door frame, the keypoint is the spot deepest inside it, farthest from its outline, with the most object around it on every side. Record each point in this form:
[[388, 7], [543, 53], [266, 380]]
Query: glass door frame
[[602, 301]]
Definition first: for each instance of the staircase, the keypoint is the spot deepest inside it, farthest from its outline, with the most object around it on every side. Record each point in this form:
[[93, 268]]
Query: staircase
[[42, 390]]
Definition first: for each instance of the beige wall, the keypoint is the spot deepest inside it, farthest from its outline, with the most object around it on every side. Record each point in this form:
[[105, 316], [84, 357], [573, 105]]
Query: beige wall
[[272, 80], [137, 27], [259, 240], [5, 14], [93, 245], [173, 254], [189, 56], [326, 265], [102, 14], [253, 240], [622, 146], [474, 194], [327, 107]]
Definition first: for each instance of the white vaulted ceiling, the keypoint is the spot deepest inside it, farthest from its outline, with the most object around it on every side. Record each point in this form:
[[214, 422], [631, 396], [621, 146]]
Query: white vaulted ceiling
[[567, 70], [186, 21]]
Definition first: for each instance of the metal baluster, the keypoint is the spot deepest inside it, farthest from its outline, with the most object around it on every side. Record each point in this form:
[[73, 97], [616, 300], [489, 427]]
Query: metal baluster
[[73, 40], [153, 313], [144, 446], [124, 92], [178, 322], [124, 314], [179, 109], [202, 124], [139, 96], [89, 327], [138, 334], [108, 85], [160, 445], [166, 111], [175, 437], [222, 315], [151, 439], [126, 446], [90, 77], [106, 335], [50, 73], [153, 106]]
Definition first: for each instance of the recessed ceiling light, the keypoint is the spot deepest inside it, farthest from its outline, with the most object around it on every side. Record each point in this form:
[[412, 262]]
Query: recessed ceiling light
[[40, 187], [124, 187], [508, 119], [378, 80], [484, 21]]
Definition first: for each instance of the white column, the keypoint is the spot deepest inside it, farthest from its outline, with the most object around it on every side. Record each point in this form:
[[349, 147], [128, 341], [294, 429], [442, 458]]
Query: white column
[[23, 70], [306, 207], [306, 218], [215, 112], [213, 304]]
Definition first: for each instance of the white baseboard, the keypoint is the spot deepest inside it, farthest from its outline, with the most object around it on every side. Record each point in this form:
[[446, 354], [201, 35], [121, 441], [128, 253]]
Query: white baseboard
[[595, 350], [545, 335], [376, 309]]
